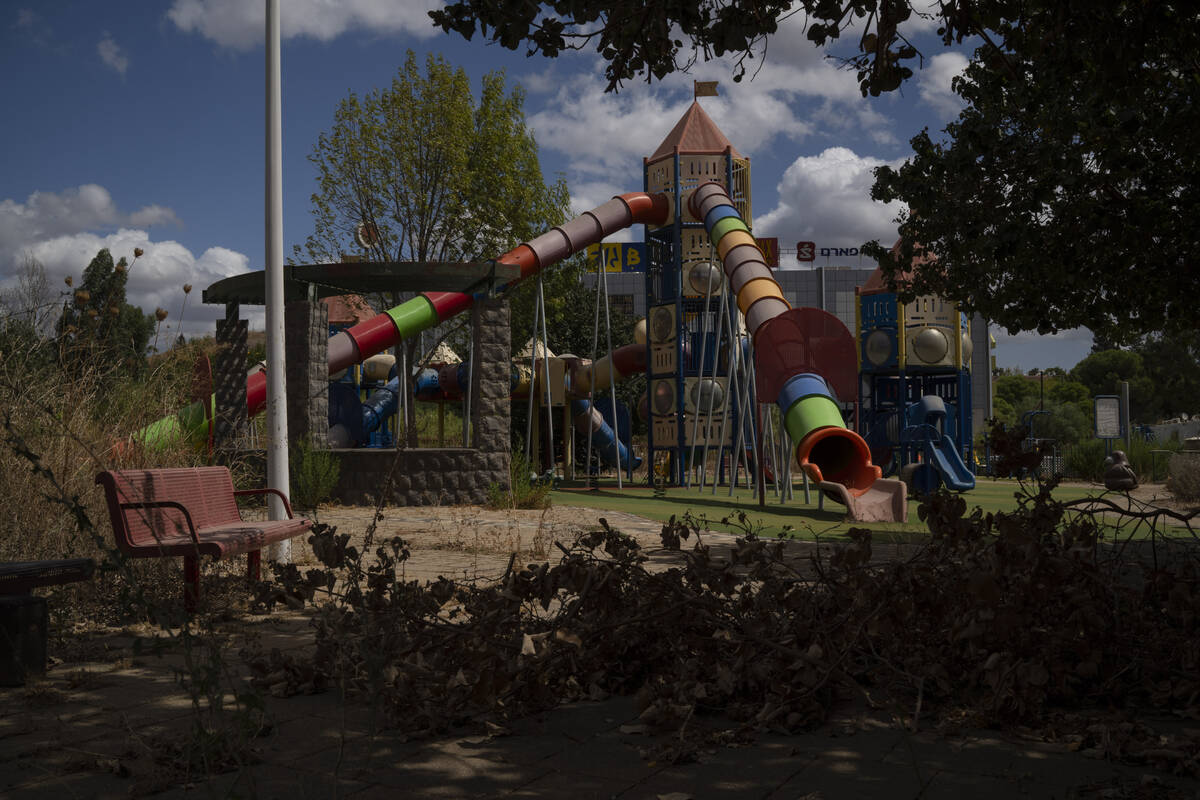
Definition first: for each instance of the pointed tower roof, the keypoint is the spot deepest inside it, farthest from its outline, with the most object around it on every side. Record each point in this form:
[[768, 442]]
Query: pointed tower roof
[[694, 133]]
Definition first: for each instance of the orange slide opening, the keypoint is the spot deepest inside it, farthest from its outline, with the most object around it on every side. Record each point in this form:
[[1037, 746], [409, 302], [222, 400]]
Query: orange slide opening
[[839, 455]]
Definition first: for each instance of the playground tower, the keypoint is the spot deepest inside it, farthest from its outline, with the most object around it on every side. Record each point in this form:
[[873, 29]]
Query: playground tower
[[683, 292], [914, 364]]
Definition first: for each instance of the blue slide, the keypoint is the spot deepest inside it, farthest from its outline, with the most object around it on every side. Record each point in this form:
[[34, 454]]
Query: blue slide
[[588, 420], [943, 455], [940, 450]]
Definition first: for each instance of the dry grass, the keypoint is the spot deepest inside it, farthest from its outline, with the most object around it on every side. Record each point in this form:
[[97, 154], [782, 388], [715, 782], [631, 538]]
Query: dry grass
[[74, 425], [1183, 481]]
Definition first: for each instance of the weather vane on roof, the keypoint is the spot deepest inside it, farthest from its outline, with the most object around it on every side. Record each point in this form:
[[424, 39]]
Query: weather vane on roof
[[704, 89]]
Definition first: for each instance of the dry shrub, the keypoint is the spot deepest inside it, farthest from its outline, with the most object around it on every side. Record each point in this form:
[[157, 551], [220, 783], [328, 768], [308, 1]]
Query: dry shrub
[[1001, 619], [1183, 476], [76, 423], [1027, 617]]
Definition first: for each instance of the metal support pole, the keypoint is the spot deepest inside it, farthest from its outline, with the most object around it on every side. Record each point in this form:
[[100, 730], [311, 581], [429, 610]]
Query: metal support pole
[[739, 449], [708, 413], [591, 397], [724, 324], [469, 394], [753, 417], [277, 444], [612, 381], [529, 406], [1125, 417], [700, 372], [541, 300]]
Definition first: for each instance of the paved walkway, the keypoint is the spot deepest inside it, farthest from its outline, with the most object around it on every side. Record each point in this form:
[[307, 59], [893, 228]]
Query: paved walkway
[[102, 725]]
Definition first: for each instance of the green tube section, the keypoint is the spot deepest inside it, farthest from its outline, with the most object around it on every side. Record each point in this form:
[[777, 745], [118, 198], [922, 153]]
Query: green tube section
[[413, 316], [810, 413], [724, 226], [188, 424]]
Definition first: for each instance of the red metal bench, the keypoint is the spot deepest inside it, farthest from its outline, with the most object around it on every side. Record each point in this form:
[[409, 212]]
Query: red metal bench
[[189, 512]]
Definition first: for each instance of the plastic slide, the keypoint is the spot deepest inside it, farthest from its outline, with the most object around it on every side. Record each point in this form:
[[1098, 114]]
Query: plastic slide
[[941, 451], [834, 457], [588, 420], [622, 363], [429, 309], [943, 455]]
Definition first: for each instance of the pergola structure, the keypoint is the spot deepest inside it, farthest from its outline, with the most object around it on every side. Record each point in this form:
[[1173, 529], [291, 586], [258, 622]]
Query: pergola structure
[[424, 476]]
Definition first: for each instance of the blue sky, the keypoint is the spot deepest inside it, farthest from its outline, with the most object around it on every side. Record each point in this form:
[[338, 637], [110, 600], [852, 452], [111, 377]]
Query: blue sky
[[140, 124]]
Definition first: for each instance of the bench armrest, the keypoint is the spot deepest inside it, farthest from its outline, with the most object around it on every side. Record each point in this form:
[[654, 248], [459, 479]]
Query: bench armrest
[[187, 516], [268, 490]]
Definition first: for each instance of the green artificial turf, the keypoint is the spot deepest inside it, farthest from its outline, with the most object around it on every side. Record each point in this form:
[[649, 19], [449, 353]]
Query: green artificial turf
[[800, 519]]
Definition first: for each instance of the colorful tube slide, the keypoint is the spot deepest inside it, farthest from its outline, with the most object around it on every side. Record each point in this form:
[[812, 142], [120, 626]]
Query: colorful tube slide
[[833, 456], [588, 420], [432, 308]]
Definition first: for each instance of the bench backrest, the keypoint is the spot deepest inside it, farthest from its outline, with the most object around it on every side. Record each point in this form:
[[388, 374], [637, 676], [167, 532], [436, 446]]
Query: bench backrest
[[206, 492]]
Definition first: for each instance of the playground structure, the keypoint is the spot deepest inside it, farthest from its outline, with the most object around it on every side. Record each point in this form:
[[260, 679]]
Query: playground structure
[[914, 390], [768, 352], [550, 382]]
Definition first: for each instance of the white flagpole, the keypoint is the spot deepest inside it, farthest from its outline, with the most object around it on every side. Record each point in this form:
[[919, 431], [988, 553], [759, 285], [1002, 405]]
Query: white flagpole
[[277, 444]]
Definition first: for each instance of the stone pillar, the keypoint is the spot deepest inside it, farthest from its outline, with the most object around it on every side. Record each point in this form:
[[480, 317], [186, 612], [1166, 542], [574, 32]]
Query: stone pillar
[[490, 390], [229, 379], [306, 348]]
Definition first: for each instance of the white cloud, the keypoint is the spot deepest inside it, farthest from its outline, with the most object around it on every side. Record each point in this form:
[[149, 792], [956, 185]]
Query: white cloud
[[112, 55], [156, 279], [790, 96], [1030, 350], [933, 82], [65, 230], [607, 135], [926, 18], [827, 199], [1028, 337], [46, 215], [151, 215], [240, 24]]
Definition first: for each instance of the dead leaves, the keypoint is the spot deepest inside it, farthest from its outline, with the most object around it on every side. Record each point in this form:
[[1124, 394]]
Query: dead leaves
[[1001, 619]]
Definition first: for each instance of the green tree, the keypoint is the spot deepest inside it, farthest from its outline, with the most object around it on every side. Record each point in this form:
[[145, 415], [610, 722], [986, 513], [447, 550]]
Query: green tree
[[1172, 365], [654, 38], [1068, 391], [1103, 372], [1003, 410], [431, 173], [1066, 423], [1015, 389], [98, 328], [1066, 192]]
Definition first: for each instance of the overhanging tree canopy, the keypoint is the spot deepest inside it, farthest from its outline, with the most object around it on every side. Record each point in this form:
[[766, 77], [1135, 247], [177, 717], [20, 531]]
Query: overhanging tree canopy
[[654, 38], [1067, 192]]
